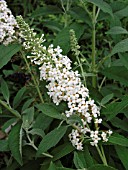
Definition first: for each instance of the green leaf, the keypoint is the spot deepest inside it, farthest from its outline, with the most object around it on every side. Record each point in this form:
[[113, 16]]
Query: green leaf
[[6, 52], [117, 30], [87, 156], [5, 90], [52, 166], [105, 7], [53, 25], [122, 153], [46, 10], [8, 123], [49, 110], [106, 99], [121, 46], [51, 139], [42, 121], [124, 59], [101, 167], [122, 13], [79, 160], [19, 96], [27, 104], [81, 15], [119, 123], [62, 150], [118, 139], [113, 109], [4, 145], [63, 38], [118, 73], [15, 142], [38, 132], [28, 116]]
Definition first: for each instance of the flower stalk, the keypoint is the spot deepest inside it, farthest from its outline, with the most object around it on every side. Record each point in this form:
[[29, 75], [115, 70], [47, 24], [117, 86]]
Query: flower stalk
[[102, 155], [94, 80], [33, 78]]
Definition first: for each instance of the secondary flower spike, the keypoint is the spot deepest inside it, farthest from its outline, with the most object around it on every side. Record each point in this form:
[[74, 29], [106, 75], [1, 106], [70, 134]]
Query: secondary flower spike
[[64, 84]]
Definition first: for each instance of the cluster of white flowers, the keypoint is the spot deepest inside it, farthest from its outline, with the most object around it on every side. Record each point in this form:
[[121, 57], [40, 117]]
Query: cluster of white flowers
[[7, 24], [64, 84]]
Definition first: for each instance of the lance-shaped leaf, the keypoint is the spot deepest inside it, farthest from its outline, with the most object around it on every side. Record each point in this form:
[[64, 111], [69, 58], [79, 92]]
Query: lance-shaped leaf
[[118, 140], [118, 73], [15, 142], [122, 46], [5, 90], [122, 153], [6, 52], [113, 109], [51, 139], [19, 96], [101, 167], [117, 30], [49, 110], [52, 166]]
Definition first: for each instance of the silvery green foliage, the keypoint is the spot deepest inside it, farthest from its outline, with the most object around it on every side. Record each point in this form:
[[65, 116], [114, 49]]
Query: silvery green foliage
[[7, 24]]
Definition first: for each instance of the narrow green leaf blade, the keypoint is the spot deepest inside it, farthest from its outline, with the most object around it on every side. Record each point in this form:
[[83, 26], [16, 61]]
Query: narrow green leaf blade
[[106, 99], [122, 46], [42, 121], [49, 110], [79, 160], [52, 166], [119, 123], [19, 96], [51, 139], [113, 109], [118, 140], [117, 30], [6, 52], [122, 153], [101, 167], [38, 132], [62, 150], [28, 116], [87, 156], [5, 90], [46, 10], [122, 13], [118, 73], [15, 142]]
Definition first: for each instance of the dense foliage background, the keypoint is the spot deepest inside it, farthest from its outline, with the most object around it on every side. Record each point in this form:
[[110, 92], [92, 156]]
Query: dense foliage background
[[102, 36]]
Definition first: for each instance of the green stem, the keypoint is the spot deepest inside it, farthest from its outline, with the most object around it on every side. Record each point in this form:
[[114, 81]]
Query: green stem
[[102, 156], [82, 71], [33, 145], [93, 46], [33, 78], [102, 83], [14, 112], [102, 150]]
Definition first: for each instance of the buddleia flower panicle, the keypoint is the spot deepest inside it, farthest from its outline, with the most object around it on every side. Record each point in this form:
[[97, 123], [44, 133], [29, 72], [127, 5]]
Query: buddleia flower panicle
[[8, 24], [64, 84]]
